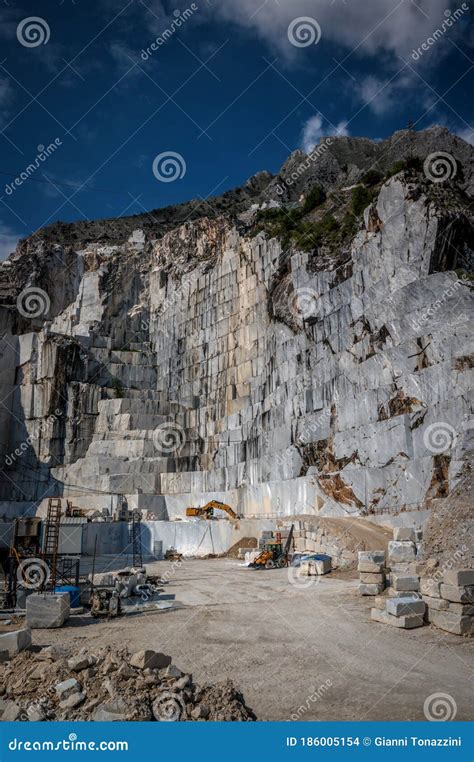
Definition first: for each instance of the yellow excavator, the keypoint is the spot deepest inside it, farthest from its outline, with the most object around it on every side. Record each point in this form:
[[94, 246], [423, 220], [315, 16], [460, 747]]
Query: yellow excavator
[[207, 511]]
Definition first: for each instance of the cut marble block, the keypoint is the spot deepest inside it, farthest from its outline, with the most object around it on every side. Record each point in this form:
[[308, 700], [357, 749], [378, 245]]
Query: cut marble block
[[47, 610]]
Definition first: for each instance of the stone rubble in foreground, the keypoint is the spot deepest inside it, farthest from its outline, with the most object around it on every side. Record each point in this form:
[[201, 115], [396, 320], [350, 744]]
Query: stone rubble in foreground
[[111, 685]]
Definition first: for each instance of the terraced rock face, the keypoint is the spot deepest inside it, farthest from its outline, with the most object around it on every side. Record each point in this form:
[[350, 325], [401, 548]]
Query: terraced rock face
[[214, 362]]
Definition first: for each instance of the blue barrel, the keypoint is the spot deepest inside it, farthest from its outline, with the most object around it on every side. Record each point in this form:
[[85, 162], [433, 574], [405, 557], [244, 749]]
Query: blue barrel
[[74, 594]]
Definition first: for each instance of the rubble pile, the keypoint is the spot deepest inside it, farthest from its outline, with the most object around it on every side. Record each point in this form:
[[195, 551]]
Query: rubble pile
[[110, 685]]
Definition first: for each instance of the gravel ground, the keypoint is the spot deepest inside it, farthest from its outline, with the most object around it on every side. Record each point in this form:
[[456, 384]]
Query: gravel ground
[[307, 653]]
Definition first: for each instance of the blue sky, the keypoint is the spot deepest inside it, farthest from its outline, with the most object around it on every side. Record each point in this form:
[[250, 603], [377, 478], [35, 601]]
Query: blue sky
[[233, 87]]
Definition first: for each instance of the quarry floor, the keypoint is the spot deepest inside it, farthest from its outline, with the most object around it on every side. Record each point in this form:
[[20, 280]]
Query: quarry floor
[[306, 653]]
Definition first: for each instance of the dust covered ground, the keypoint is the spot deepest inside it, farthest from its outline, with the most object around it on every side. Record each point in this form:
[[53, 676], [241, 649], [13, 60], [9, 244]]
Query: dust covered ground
[[305, 651]]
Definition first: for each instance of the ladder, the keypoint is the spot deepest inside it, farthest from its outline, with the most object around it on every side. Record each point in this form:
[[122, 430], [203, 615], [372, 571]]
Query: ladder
[[51, 540], [136, 540]]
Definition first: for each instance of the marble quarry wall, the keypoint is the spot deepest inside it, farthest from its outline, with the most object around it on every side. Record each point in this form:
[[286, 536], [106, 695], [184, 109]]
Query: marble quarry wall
[[213, 364]]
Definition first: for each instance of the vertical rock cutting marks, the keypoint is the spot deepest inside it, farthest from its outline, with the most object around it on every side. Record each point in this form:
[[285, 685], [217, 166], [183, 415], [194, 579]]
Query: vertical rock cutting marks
[[207, 360]]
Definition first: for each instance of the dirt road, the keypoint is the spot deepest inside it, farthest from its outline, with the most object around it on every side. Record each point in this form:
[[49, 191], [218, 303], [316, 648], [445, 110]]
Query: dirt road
[[308, 653]]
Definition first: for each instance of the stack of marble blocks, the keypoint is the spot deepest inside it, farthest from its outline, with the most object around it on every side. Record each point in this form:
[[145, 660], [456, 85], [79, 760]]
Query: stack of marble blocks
[[314, 538], [404, 581], [402, 607], [404, 612], [404, 547], [371, 570], [450, 602]]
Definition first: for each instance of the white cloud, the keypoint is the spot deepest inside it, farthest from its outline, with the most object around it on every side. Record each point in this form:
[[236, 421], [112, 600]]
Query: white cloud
[[375, 93], [382, 95], [370, 26], [8, 241], [313, 131]]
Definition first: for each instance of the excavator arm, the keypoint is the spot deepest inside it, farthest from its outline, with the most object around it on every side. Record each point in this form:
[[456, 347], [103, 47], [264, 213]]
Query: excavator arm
[[207, 511], [223, 507]]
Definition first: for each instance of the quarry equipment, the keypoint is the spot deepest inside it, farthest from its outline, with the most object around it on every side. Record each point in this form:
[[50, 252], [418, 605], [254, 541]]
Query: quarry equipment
[[51, 541], [173, 555], [25, 545], [72, 511], [105, 603], [136, 539], [275, 555], [207, 511]]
